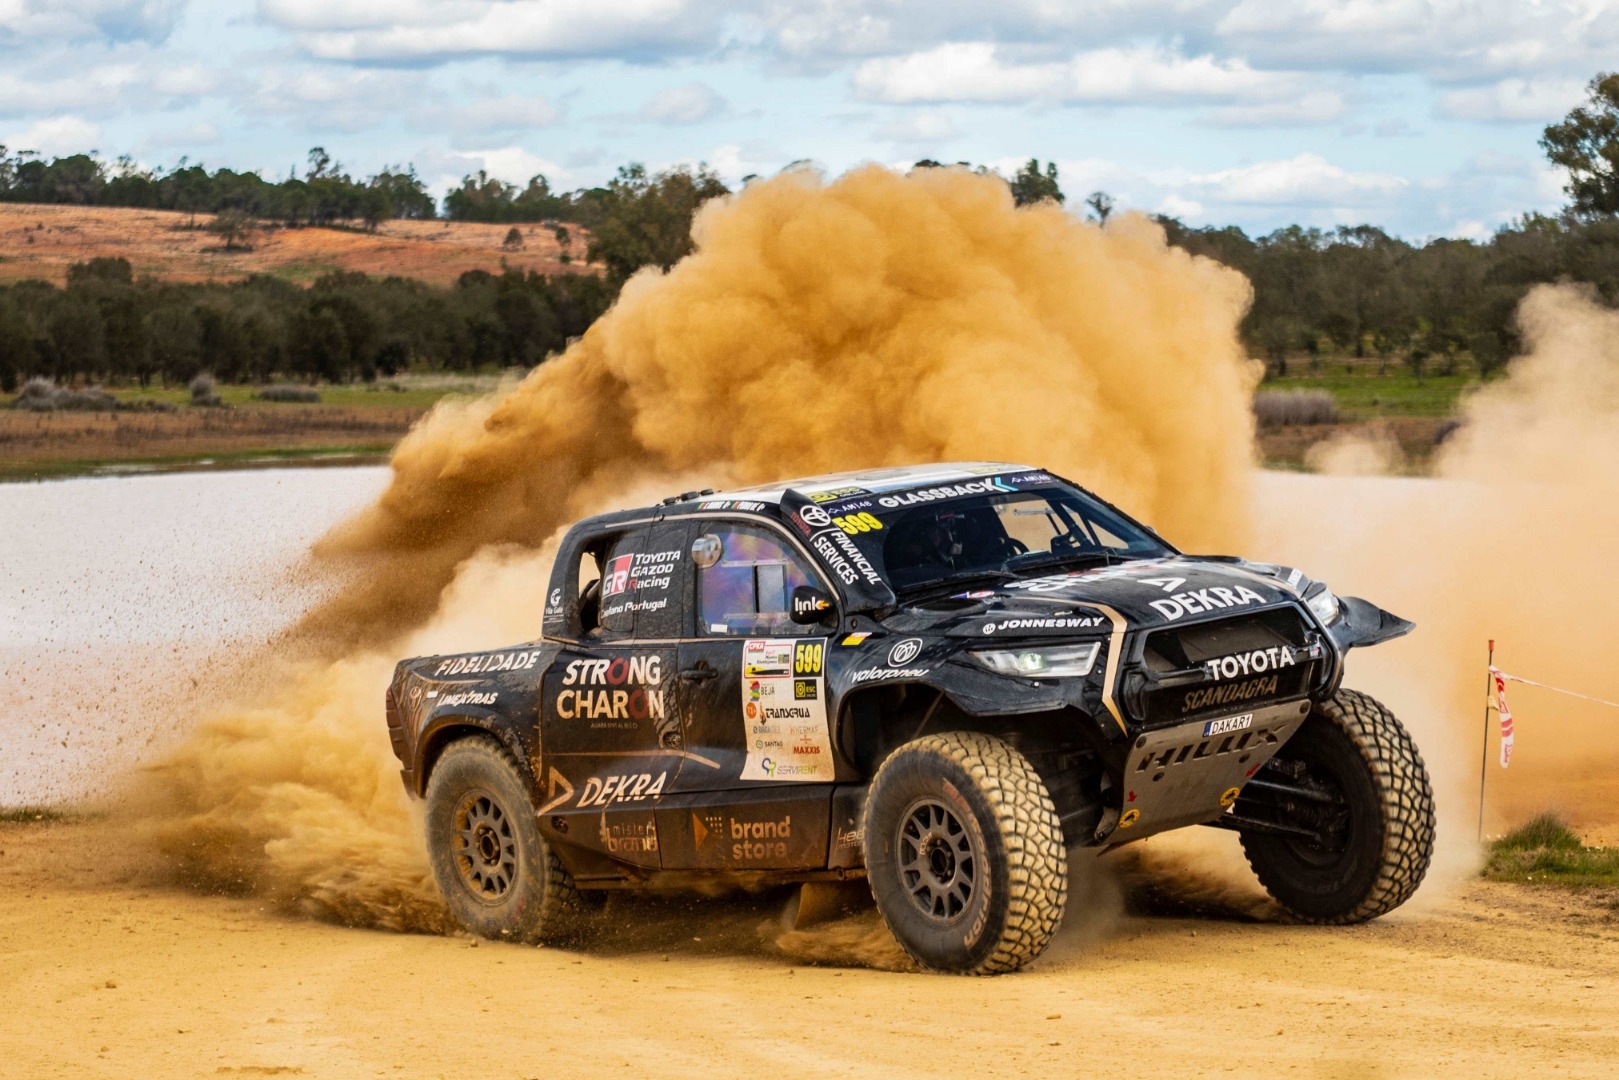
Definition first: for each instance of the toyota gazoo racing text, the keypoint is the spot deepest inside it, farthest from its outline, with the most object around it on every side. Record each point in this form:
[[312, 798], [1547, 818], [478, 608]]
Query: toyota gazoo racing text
[[935, 682]]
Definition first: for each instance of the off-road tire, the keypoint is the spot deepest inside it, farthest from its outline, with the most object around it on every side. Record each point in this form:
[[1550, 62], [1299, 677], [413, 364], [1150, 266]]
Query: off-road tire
[[1007, 826], [539, 904], [1366, 750]]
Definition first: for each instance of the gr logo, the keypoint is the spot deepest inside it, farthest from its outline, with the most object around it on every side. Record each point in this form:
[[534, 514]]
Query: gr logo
[[815, 517], [904, 652]]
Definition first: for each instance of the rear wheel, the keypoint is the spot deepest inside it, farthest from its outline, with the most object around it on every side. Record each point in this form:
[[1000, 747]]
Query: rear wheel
[[1370, 807], [965, 854], [497, 874]]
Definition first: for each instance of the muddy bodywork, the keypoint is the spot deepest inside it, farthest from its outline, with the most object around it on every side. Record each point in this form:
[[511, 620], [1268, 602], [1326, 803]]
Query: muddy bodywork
[[661, 751]]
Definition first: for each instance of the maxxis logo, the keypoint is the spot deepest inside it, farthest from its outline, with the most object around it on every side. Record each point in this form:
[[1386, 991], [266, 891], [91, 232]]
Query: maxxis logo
[[904, 652], [815, 517]]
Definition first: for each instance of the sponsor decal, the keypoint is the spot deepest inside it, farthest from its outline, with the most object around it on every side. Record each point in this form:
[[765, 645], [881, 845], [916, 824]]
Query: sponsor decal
[[1250, 663], [904, 652], [976, 594], [616, 692], [746, 505], [414, 694], [881, 673], [991, 486], [754, 841], [1076, 622], [559, 792], [815, 517], [617, 578], [471, 697], [629, 787], [784, 706], [846, 840], [1227, 724], [1197, 601], [803, 606], [634, 573], [862, 522], [487, 662], [1030, 478], [553, 607], [628, 837], [833, 494], [705, 825], [1231, 692], [855, 639], [847, 561]]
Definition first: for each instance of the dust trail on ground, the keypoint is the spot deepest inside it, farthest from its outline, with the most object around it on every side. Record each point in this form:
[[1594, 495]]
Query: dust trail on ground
[[1520, 542], [876, 319]]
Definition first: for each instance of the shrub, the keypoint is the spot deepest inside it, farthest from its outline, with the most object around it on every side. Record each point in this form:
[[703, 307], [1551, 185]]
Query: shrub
[[1281, 408], [202, 391], [42, 395], [303, 395]]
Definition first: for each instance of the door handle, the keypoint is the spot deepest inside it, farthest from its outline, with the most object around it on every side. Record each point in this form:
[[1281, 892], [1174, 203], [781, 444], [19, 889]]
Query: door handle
[[699, 674]]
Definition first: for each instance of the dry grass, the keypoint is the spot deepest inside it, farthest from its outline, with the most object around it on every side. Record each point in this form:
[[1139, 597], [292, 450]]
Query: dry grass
[[52, 439], [42, 241]]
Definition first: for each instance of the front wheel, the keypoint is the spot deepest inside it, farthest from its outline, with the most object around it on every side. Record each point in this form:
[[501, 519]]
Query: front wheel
[[965, 855], [1361, 787]]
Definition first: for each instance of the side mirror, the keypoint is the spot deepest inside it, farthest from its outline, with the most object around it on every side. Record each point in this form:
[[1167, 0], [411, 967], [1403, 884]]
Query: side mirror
[[810, 605]]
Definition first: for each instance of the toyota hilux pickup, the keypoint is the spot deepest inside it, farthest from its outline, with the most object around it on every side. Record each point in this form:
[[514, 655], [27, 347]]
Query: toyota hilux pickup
[[940, 680]]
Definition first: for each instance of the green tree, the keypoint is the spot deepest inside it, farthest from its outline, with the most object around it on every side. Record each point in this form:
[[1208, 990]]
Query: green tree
[[1031, 186], [1586, 143], [234, 227], [646, 220], [173, 345], [1100, 204]]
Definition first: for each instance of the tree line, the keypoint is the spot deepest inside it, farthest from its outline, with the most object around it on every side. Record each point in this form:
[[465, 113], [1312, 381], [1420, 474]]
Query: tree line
[[1349, 291], [105, 326]]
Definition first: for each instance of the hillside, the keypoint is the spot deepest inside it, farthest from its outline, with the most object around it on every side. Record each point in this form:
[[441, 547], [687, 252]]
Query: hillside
[[39, 241]]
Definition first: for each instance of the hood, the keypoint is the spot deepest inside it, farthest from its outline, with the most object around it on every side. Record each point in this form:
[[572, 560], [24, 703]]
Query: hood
[[1148, 593]]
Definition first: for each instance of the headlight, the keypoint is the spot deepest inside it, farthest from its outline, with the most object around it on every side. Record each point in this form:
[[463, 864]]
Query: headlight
[[1326, 606], [1054, 662]]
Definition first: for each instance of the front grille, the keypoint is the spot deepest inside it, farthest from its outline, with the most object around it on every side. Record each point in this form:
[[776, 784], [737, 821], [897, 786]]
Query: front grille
[[1264, 658]]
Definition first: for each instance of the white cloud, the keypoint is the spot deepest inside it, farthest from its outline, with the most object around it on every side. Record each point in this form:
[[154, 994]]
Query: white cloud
[[1177, 207], [983, 72], [918, 127], [354, 30], [513, 164], [1321, 107], [28, 22], [341, 99], [1513, 100], [689, 103], [1307, 180], [55, 136]]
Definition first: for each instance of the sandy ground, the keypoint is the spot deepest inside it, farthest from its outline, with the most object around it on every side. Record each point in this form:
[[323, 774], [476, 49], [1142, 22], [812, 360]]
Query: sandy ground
[[109, 975], [1167, 969]]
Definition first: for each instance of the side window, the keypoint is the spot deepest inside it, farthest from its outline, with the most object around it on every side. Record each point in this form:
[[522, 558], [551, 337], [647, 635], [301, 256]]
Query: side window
[[618, 585], [748, 590]]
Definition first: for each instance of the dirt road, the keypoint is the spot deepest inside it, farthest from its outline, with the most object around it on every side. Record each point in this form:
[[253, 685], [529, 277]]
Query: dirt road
[[108, 974]]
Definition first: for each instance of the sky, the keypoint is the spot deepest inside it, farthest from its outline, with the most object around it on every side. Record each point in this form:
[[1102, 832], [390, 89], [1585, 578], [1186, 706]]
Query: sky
[[1420, 117]]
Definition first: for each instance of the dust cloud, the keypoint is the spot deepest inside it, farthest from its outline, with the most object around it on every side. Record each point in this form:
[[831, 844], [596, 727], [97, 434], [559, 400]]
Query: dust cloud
[[872, 320], [1516, 538]]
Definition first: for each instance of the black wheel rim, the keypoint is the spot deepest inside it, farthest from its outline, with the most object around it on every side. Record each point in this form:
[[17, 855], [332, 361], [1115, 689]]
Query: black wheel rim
[[485, 847], [938, 861], [1332, 820]]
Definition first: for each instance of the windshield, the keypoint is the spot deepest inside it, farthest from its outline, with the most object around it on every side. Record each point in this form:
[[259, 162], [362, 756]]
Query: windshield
[[999, 534]]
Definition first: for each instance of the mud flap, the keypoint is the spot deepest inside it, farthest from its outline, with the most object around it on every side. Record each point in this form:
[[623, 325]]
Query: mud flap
[[820, 902]]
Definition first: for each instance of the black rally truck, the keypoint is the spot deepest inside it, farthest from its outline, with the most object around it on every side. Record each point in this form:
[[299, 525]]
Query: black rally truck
[[942, 679]]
